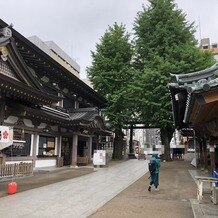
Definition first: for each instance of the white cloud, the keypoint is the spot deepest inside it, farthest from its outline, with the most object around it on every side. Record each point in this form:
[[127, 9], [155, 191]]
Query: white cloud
[[76, 26]]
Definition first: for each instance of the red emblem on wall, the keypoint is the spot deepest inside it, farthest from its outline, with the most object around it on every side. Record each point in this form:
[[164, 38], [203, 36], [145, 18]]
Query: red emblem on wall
[[5, 134]]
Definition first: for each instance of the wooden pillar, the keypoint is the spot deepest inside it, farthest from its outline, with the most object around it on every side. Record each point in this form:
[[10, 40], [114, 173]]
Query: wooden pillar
[[204, 143], [2, 158], [74, 150], [186, 145], [89, 143], [201, 155], [76, 104]]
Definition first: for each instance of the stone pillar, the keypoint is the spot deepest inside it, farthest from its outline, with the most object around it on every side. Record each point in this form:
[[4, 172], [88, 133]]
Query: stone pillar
[[34, 147], [74, 150], [89, 143], [59, 140]]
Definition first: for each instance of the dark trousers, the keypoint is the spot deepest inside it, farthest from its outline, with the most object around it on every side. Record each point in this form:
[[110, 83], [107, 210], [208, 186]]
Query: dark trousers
[[154, 179]]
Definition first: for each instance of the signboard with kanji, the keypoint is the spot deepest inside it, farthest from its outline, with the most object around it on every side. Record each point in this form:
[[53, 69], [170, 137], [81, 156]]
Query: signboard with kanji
[[99, 157]]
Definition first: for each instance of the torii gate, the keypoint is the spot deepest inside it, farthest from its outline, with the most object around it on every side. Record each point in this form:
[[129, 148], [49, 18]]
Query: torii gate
[[131, 127]]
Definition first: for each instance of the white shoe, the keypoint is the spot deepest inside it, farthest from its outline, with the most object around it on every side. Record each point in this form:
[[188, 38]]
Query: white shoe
[[156, 189]]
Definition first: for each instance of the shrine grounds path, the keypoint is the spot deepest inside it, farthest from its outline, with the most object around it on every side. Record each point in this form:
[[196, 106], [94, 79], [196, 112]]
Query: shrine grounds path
[[172, 200], [48, 175], [116, 191]]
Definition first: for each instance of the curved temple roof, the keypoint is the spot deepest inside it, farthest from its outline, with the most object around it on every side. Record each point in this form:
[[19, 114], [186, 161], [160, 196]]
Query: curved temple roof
[[195, 98], [15, 73], [36, 57], [19, 81]]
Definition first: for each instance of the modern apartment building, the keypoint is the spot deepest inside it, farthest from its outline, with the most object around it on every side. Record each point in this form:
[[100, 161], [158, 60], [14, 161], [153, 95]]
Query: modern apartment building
[[55, 52], [205, 44]]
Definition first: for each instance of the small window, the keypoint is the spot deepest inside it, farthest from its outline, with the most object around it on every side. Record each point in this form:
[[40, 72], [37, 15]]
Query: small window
[[46, 146], [214, 45], [205, 46], [68, 103]]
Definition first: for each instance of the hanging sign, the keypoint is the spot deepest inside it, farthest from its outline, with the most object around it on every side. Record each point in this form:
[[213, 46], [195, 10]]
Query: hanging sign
[[6, 136], [212, 149], [99, 157]]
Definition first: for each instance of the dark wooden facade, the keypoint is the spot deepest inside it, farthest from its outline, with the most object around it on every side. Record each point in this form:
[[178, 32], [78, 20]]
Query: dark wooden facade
[[52, 112], [195, 108]]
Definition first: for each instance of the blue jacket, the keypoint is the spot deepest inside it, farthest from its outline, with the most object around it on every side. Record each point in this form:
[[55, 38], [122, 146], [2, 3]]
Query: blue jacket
[[157, 163]]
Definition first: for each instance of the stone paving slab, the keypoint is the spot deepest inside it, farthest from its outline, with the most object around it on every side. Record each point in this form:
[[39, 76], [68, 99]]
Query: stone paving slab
[[77, 197], [116, 191], [171, 201]]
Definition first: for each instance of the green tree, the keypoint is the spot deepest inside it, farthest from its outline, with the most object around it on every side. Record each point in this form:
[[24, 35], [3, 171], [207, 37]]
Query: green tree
[[109, 73], [164, 43]]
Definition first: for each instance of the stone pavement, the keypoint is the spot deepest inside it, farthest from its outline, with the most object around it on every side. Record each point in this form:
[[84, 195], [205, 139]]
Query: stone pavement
[[117, 191], [205, 208], [176, 198], [44, 176], [77, 197]]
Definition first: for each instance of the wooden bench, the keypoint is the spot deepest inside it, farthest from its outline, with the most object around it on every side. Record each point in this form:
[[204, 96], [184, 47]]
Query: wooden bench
[[200, 187]]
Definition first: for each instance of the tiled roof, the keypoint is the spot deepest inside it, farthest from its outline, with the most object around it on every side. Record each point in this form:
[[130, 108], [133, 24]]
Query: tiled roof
[[196, 81], [185, 87], [84, 114]]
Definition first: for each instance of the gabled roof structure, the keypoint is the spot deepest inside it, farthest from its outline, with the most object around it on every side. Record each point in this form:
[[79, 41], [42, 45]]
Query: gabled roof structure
[[48, 67], [195, 100], [16, 76], [25, 89]]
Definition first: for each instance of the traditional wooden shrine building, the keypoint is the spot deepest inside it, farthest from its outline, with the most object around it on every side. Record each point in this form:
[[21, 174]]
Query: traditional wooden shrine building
[[55, 116], [195, 108]]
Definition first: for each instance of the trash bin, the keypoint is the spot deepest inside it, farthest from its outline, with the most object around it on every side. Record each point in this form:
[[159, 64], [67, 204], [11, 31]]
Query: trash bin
[[215, 175]]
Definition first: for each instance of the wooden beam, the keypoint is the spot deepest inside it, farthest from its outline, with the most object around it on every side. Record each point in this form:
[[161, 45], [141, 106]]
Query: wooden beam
[[211, 96]]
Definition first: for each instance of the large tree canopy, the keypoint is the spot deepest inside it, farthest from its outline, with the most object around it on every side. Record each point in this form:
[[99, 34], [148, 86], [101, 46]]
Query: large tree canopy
[[165, 40], [164, 43], [110, 72], [134, 81]]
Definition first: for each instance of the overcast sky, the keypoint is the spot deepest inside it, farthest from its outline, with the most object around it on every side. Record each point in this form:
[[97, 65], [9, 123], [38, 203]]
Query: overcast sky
[[77, 25]]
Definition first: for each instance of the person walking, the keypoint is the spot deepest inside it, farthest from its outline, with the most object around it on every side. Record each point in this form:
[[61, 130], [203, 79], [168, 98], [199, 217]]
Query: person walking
[[154, 166]]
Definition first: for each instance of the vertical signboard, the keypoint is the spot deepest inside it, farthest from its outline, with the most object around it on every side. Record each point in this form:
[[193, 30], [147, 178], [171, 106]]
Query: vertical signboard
[[6, 136], [99, 157]]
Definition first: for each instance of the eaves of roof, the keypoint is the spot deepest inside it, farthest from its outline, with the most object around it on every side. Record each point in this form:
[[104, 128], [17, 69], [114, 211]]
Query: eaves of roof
[[191, 85], [83, 88]]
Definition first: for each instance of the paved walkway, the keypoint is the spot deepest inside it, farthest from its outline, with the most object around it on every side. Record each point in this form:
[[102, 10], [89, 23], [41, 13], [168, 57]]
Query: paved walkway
[[117, 191], [78, 197], [172, 200]]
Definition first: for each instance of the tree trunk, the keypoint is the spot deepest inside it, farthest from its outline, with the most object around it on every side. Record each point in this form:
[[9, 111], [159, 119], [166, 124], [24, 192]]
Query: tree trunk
[[166, 135], [118, 145]]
